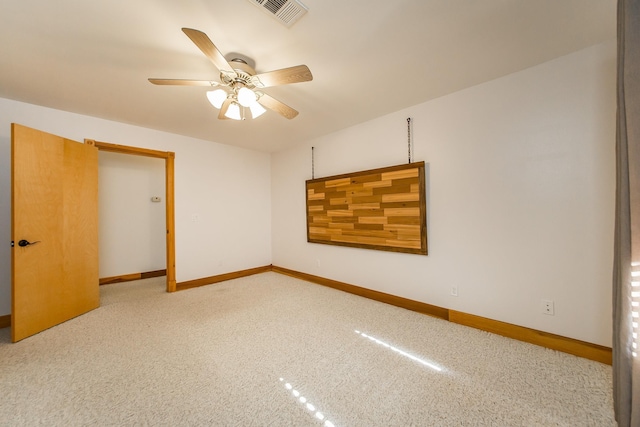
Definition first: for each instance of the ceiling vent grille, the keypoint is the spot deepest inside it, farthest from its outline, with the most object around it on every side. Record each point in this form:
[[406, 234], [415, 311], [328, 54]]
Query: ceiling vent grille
[[286, 12]]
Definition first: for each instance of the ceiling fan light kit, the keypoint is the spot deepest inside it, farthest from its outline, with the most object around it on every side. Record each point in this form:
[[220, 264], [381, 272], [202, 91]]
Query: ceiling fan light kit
[[246, 97], [217, 97], [234, 112], [256, 110], [238, 83]]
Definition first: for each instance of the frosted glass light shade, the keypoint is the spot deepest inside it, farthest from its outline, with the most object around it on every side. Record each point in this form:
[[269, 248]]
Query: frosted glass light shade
[[256, 110], [217, 97], [246, 97], [233, 112]]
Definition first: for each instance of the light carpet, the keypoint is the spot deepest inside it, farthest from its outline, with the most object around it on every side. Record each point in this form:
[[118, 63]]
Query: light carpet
[[271, 350]]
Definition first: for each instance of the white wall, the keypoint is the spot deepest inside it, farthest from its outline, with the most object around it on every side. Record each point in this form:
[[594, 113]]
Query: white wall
[[228, 188], [520, 192], [132, 227], [520, 195]]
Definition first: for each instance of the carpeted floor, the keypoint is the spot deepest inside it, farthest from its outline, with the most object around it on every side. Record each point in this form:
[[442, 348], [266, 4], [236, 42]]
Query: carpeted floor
[[270, 350]]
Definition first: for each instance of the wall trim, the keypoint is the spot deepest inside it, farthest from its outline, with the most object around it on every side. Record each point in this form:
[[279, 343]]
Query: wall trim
[[579, 348], [181, 286], [134, 276], [572, 346], [412, 305]]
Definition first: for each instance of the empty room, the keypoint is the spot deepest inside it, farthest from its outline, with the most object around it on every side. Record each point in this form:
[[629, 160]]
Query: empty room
[[311, 213]]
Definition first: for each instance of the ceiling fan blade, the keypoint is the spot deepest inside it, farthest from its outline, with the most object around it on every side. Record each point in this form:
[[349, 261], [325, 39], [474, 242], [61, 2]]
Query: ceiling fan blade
[[285, 76], [210, 50], [277, 106], [224, 108], [183, 82]]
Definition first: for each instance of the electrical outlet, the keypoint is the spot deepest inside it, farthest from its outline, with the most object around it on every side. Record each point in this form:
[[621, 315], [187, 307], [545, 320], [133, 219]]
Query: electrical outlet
[[317, 263], [454, 291], [547, 307]]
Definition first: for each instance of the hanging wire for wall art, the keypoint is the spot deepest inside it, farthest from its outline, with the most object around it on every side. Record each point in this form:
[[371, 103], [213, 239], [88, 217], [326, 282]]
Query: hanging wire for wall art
[[409, 138], [382, 209]]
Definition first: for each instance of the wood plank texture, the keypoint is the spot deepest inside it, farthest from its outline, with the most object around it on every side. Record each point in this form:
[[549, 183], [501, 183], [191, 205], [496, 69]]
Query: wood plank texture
[[386, 196]]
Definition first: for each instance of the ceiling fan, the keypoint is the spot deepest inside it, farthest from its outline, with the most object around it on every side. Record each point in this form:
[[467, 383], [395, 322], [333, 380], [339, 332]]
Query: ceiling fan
[[240, 87]]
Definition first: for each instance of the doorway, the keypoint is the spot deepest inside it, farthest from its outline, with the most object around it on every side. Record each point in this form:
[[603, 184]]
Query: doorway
[[169, 198]]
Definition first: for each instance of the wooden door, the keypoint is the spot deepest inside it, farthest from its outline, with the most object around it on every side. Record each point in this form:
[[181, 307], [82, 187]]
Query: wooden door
[[54, 227]]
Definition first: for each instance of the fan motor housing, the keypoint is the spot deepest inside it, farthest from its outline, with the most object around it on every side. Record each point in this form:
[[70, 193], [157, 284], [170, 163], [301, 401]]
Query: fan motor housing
[[243, 71]]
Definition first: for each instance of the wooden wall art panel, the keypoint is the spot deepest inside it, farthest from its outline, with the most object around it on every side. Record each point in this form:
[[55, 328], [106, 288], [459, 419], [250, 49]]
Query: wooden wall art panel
[[382, 209]]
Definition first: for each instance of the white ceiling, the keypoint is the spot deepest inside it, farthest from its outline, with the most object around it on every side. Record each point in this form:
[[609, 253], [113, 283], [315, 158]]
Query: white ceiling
[[368, 57]]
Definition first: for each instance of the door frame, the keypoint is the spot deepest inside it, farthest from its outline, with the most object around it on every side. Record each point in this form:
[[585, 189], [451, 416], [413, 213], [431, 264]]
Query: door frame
[[169, 158]]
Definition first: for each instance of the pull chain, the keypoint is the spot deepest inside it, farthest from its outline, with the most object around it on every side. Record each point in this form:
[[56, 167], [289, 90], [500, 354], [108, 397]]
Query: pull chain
[[409, 137], [313, 163]]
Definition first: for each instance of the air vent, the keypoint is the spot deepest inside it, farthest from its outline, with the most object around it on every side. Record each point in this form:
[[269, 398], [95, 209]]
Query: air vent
[[286, 12]]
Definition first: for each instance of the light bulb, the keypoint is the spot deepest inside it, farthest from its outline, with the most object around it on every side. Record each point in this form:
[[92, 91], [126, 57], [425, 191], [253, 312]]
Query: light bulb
[[217, 97], [256, 110], [246, 97], [233, 112]]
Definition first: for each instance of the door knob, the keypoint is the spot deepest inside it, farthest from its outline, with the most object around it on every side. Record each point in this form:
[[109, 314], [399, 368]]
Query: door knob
[[22, 243]]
